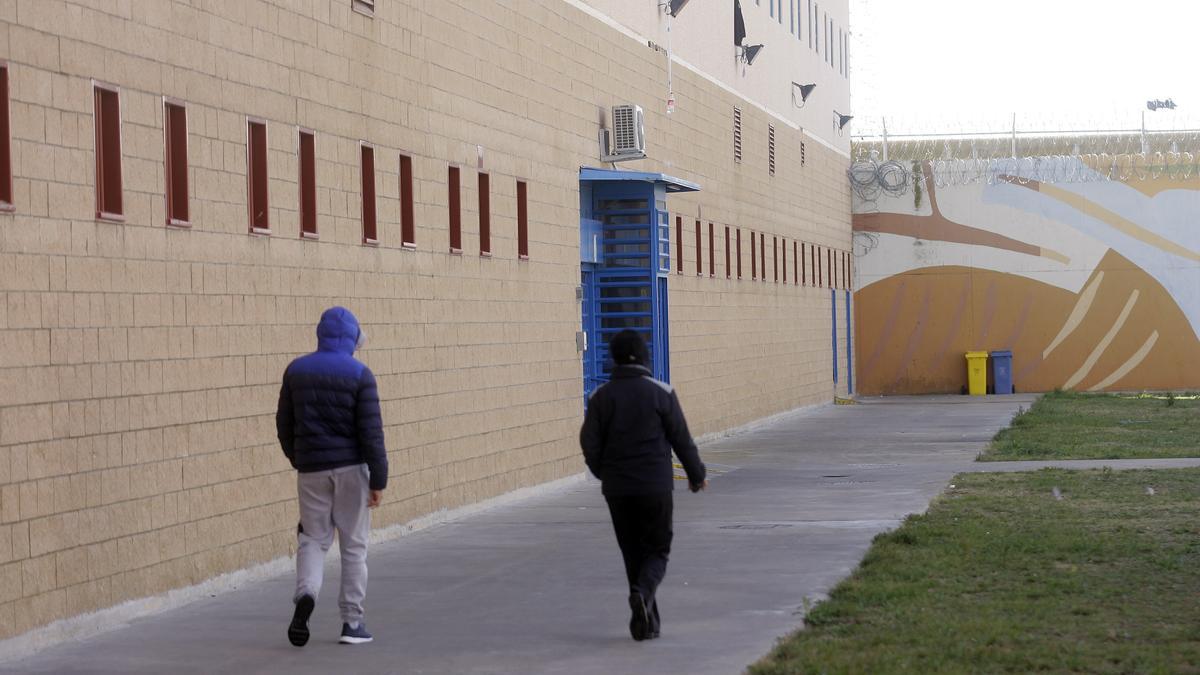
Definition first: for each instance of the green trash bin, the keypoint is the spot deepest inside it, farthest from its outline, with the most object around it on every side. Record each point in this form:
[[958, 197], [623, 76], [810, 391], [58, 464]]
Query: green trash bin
[[977, 373]]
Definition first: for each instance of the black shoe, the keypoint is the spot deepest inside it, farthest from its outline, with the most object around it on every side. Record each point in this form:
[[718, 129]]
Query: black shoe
[[639, 622], [298, 631]]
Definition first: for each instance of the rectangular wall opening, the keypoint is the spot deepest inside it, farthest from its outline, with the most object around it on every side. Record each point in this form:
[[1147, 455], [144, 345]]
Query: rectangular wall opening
[[175, 135], [107, 120]]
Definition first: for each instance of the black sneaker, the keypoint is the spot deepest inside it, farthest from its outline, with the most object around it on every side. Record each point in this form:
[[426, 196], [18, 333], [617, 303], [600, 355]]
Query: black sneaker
[[355, 636], [639, 622], [298, 631]]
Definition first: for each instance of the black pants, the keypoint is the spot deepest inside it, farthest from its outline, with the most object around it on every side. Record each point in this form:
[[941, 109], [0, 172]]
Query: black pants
[[643, 527]]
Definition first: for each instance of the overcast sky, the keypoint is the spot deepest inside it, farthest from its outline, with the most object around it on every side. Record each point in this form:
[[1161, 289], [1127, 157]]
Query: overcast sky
[[968, 65]]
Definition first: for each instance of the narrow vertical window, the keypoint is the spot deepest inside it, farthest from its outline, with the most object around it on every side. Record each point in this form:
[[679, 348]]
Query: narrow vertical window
[[408, 228], [803, 154], [108, 152], [485, 215], [307, 143], [783, 256], [455, 207], [775, 257], [367, 172], [176, 141], [256, 175], [753, 257], [812, 264], [679, 244], [795, 263], [737, 135], [728, 269], [712, 252], [699, 251], [762, 251], [829, 265], [522, 221], [810, 24], [739, 253], [804, 263], [771, 149], [6, 174]]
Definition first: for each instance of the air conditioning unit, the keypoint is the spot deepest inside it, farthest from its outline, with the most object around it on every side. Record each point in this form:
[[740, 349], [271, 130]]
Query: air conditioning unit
[[628, 135]]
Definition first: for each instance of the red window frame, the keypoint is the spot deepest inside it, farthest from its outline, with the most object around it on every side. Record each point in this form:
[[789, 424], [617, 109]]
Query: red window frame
[[306, 147], [739, 253], [728, 269], [775, 257], [762, 252], [522, 221], [454, 206], [370, 229], [679, 244], [796, 255], [175, 162], [107, 123], [712, 252], [6, 171], [484, 184], [258, 205], [783, 259], [408, 229], [753, 256]]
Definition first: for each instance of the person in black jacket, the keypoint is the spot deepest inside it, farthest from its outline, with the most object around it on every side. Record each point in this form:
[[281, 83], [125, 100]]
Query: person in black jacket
[[331, 431], [632, 423]]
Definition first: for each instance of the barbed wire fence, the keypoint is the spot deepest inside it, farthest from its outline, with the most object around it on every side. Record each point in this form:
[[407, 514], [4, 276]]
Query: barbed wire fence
[[895, 165]]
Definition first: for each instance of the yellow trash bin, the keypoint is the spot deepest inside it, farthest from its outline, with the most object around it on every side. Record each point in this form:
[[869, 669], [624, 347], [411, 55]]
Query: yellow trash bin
[[977, 373]]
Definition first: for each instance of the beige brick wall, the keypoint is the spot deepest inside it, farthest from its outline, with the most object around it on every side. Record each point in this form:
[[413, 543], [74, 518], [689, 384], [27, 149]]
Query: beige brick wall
[[139, 364]]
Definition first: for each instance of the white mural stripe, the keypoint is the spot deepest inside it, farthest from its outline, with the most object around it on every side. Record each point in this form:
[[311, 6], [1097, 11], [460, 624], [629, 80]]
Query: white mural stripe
[[1103, 345], [1081, 309], [1129, 365]]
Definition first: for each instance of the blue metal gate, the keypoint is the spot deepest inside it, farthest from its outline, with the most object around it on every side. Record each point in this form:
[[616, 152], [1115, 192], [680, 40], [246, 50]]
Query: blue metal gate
[[626, 254]]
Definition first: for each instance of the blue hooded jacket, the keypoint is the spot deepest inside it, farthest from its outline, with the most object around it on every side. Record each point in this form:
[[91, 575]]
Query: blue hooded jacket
[[328, 413]]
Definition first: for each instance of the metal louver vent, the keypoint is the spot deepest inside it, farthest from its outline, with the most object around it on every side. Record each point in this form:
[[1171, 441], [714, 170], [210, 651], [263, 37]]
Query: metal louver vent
[[803, 159], [737, 135], [771, 148]]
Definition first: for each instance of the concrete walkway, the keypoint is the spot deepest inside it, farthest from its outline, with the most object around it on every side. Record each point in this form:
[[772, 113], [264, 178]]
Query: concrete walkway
[[537, 586]]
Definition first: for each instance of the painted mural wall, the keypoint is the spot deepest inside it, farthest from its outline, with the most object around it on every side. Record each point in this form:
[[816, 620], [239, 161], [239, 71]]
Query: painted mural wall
[[1094, 286]]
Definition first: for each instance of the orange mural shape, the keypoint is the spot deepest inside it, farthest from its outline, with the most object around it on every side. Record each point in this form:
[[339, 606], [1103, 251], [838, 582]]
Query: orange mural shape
[[1132, 335]]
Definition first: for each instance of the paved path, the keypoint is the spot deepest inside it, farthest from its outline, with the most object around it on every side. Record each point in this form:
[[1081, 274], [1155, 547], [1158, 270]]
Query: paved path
[[537, 586]]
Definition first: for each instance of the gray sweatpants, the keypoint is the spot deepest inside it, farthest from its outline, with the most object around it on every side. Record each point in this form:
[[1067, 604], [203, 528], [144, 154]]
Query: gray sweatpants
[[329, 500]]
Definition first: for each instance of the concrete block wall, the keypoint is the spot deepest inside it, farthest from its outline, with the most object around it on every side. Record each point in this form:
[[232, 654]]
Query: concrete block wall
[[139, 364]]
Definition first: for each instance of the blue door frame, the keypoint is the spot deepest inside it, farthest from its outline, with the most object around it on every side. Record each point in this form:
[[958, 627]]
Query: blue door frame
[[625, 253]]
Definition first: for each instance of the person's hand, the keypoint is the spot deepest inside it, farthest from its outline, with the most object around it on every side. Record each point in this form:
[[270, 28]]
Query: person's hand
[[696, 487], [374, 498]]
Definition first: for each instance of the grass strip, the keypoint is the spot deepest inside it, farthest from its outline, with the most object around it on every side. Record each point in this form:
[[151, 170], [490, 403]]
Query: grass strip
[[1069, 425], [1058, 571]]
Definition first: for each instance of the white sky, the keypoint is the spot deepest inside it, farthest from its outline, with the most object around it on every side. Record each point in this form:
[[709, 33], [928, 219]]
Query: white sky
[[945, 66]]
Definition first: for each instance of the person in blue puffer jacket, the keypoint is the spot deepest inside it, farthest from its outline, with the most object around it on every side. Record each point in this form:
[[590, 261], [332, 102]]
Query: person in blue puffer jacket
[[331, 430]]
